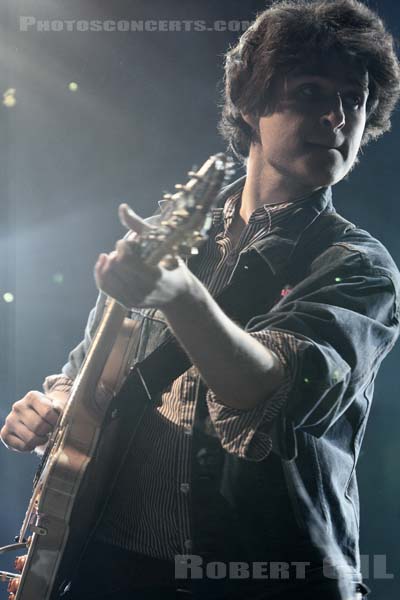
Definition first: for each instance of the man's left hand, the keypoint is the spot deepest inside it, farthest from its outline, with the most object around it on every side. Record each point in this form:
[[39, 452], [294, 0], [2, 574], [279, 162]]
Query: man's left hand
[[123, 275]]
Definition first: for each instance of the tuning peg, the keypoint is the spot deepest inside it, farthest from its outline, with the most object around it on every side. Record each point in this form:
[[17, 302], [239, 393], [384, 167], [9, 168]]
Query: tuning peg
[[167, 196], [194, 175], [180, 212]]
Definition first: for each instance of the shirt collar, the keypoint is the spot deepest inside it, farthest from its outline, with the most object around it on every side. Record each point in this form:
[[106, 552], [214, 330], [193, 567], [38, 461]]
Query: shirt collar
[[276, 213]]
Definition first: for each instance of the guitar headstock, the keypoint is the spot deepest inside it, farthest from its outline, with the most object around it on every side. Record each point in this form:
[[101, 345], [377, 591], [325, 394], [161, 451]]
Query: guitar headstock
[[186, 215]]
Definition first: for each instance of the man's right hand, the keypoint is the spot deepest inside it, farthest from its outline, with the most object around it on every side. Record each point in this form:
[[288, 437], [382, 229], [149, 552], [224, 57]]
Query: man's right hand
[[31, 420]]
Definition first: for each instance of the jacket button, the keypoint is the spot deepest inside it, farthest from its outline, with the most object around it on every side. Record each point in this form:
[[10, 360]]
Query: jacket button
[[202, 456], [184, 488]]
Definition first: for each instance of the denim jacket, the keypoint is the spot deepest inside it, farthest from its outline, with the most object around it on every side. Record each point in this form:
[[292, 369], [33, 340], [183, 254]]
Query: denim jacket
[[335, 289]]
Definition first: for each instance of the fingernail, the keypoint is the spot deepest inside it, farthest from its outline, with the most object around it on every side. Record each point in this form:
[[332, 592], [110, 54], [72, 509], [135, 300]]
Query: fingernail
[[100, 260], [128, 210]]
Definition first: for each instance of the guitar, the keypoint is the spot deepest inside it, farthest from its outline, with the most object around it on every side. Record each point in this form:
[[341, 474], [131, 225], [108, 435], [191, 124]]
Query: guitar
[[76, 469]]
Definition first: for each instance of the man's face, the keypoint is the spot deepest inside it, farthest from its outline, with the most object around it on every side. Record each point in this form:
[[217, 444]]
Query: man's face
[[313, 136]]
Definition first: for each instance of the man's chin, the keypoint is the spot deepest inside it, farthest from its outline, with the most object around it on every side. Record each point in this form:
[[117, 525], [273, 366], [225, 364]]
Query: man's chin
[[325, 177]]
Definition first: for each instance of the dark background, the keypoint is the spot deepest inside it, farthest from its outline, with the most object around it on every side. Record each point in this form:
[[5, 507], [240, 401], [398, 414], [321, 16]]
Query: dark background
[[145, 112]]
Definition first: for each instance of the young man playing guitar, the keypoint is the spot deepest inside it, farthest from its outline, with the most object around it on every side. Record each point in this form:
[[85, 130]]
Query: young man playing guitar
[[285, 316]]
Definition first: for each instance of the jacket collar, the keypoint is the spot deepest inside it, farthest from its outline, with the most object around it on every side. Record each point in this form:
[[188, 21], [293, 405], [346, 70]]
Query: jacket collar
[[277, 248]]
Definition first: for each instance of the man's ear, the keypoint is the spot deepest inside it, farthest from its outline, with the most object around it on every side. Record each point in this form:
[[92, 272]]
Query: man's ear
[[251, 120], [253, 123]]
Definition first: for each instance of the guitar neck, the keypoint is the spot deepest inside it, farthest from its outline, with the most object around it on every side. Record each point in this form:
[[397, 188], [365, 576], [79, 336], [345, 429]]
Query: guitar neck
[[97, 354]]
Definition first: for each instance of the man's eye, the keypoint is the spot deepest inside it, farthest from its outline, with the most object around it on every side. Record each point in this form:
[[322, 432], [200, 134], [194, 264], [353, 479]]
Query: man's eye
[[308, 90], [314, 93], [353, 100]]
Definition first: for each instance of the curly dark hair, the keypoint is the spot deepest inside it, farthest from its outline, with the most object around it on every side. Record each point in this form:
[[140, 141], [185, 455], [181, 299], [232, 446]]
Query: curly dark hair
[[294, 32]]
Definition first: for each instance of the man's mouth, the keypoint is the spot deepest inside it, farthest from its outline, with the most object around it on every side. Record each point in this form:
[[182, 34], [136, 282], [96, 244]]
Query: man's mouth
[[337, 147]]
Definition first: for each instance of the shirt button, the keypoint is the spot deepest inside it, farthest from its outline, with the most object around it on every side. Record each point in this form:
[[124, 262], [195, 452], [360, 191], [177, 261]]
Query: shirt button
[[231, 260], [187, 430], [185, 488]]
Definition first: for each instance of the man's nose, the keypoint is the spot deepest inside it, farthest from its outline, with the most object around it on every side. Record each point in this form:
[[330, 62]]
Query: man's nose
[[334, 116]]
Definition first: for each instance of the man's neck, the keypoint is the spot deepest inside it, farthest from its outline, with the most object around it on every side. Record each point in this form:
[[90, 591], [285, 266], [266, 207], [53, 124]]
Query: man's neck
[[264, 185]]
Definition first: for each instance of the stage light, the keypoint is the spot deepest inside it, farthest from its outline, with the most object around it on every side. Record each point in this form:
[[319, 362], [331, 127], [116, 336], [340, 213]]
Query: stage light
[[9, 99]]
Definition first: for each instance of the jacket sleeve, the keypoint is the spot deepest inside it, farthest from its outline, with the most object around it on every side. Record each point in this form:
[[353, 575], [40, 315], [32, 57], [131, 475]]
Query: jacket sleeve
[[343, 318], [245, 433]]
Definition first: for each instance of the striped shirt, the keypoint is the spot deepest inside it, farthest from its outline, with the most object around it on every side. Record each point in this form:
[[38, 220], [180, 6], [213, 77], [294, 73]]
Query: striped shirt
[[149, 511]]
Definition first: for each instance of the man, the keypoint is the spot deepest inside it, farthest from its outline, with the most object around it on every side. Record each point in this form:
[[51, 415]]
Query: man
[[250, 456]]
